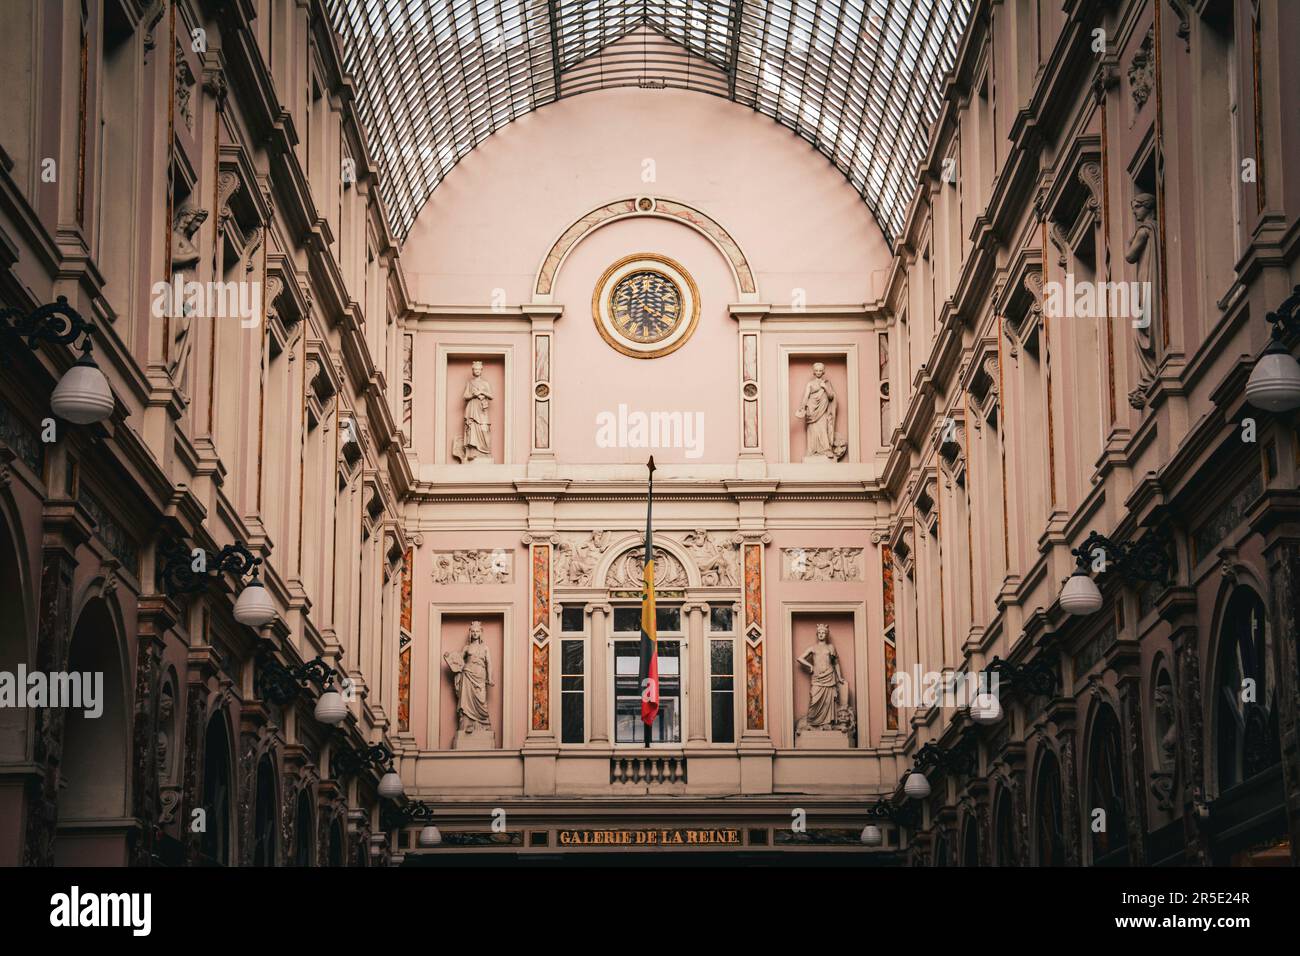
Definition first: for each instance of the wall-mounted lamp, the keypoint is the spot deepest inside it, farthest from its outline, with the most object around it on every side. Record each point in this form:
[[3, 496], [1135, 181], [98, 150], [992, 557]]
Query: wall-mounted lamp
[[1146, 559], [189, 572], [1274, 383], [83, 395]]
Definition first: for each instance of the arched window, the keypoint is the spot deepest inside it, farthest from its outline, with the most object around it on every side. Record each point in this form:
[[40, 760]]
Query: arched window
[[304, 848], [337, 845], [1049, 817], [1004, 829], [1106, 791], [13, 645], [941, 849], [215, 844], [265, 815], [970, 844], [1246, 701]]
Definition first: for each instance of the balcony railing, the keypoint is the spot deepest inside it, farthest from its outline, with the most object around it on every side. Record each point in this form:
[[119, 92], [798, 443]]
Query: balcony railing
[[648, 769]]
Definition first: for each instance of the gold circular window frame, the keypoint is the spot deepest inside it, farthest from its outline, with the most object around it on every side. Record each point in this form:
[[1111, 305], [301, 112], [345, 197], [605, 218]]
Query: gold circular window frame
[[604, 281]]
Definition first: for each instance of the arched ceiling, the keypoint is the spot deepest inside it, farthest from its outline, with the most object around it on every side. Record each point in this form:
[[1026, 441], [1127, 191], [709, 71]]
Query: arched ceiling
[[859, 79]]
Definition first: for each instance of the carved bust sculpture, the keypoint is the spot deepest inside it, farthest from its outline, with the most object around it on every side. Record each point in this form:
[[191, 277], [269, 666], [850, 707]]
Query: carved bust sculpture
[[828, 693], [817, 411], [471, 671], [475, 443], [1143, 252]]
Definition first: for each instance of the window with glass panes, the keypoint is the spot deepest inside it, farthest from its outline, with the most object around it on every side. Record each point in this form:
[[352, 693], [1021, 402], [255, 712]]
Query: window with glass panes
[[667, 727], [573, 676], [722, 675]]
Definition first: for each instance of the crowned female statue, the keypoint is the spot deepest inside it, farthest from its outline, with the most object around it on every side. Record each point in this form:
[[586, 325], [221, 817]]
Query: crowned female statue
[[471, 677]]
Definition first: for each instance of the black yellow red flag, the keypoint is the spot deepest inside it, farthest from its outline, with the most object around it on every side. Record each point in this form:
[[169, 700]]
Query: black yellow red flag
[[649, 640]]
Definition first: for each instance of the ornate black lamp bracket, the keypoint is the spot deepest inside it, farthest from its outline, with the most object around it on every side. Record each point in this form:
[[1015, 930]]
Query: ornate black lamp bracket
[[417, 811], [1037, 676], [1285, 320], [178, 574], [348, 761], [1146, 559], [957, 760], [56, 322], [903, 816], [282, 684]]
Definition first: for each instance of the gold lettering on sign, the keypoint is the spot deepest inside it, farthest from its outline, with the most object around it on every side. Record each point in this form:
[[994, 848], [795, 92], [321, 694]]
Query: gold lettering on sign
[[673, 837]]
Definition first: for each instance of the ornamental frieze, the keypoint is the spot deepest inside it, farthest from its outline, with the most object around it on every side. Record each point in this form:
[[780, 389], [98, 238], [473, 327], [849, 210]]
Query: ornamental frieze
[[821, 564], [473, 567]]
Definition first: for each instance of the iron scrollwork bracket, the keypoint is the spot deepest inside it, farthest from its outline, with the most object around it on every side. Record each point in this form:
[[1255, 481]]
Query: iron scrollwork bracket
[[1037, 676], [282, 684], [56, 322], [178, 575], [348, 761], [1146, 559]]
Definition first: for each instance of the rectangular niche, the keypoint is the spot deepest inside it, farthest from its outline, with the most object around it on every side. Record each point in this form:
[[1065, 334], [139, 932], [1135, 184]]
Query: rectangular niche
[[841, 372], [451, 638], [843, 635], [455, 369]]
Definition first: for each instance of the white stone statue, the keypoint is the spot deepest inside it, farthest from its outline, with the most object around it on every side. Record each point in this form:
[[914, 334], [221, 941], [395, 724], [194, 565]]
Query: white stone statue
[[475, 443], [712, 561], [1144, 252], [471, 671], [829, 721], [817, 412]]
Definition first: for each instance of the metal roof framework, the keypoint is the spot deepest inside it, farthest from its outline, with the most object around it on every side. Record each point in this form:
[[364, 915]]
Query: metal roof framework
[[861, 80]]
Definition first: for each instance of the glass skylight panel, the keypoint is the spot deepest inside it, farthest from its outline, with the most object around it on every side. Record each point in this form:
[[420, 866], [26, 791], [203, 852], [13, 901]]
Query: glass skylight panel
[[859, 79]]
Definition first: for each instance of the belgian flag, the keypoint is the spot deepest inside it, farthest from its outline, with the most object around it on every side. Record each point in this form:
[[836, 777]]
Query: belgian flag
[[649, 641]]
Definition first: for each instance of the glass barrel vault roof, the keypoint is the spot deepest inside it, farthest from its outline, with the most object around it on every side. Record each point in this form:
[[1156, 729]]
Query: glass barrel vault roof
[[861, 80]]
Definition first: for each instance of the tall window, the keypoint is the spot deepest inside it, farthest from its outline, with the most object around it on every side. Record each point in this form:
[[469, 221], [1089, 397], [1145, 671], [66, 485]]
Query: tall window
[[1049, 816], [722, 675], [1005, 833], [215, 842], [573, 677], [1106, 790], [667, 727], [1246, 702], [305, 840]]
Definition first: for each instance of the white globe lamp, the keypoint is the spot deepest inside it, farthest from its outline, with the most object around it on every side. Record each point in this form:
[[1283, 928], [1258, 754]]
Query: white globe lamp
[[1080, 594], [83, 395], [254, 606], [985, 709], [331, 709], [917, 785], [1274, 383], [390, 786], [872, 835]]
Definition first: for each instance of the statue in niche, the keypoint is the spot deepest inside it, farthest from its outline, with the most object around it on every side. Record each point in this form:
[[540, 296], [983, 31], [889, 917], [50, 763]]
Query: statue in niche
[[185, 255], [713, 562], [471, 674], [1144, 252], [475, 443], [817, 412], [829, 721]]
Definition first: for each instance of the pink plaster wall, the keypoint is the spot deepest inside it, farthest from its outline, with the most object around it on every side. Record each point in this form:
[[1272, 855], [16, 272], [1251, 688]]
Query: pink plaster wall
[[697, 379], [490, 222]]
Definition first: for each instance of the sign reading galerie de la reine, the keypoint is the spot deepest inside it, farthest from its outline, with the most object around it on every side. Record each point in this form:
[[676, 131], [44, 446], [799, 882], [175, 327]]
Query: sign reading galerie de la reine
[[672, 837]]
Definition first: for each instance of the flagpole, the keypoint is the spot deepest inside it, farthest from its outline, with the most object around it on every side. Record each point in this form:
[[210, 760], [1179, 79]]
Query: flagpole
[[647, 558]]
